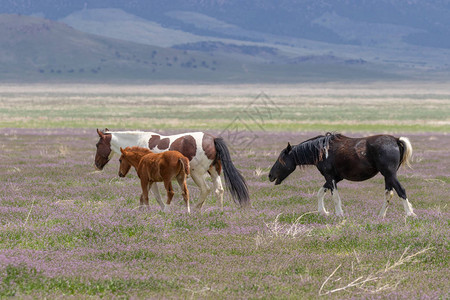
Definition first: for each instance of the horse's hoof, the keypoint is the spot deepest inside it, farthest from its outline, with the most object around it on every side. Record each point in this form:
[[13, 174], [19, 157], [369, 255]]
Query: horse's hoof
[[411, 214]]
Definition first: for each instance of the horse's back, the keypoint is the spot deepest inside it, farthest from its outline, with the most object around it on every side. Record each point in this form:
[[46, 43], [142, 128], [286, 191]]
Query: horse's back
[[365, 157], [171, 158], [362, 146], [198, 147], [353, 158]]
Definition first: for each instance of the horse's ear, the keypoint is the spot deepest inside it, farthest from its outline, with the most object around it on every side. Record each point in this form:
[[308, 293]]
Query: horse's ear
[[100, 134], [289, 147], [122, 151], [106, 129]]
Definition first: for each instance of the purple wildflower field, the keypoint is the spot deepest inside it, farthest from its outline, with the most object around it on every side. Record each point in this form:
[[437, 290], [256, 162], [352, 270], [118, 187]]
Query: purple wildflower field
[[68, 230]]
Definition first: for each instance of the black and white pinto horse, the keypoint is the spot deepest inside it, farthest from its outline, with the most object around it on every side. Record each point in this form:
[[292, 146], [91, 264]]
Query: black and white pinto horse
[[206, 154], [338, 157]]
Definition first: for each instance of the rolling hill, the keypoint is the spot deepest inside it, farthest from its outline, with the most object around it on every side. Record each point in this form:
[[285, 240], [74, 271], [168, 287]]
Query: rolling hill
[[348, 38], [226, 40], [40, 49], [37, 49], [292, 18]]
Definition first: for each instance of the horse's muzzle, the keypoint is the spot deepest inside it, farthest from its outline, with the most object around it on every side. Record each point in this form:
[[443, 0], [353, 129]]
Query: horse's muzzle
[[271, 178], [276, 179]]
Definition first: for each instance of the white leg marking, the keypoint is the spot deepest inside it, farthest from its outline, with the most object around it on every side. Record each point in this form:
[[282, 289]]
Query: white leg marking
[[155, 192], [408, 208], [218, 188], [321, 206], [204, 189], [337, 203], [385, 206]]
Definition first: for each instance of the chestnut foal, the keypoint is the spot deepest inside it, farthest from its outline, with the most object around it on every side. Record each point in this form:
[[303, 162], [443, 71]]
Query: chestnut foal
[[156, 167]]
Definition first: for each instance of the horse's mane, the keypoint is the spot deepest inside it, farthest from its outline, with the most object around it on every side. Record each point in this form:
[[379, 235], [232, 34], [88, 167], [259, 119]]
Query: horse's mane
[[314, 149]]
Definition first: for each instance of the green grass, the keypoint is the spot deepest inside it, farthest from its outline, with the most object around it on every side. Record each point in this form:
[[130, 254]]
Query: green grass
[[85, 237], [22, 280], [169, 108]]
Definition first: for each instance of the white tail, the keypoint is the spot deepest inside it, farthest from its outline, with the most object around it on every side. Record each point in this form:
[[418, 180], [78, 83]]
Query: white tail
[[407, 153]]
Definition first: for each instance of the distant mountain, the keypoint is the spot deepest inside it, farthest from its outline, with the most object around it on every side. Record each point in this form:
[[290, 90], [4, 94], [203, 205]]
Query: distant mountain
[[36, 49], [39, 49], [290, 18], [384, 44], [116, 23], [225, 40]]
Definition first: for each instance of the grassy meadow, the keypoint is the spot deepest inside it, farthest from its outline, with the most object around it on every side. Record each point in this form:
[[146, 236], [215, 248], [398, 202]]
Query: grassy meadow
[[67, 230]]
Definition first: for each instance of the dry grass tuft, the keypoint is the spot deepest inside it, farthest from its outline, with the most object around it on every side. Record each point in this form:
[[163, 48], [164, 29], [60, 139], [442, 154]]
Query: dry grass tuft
[[384, 279], [276, 230]]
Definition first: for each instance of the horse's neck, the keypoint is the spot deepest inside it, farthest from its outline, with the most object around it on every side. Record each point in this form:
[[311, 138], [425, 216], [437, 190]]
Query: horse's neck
[[305, 155], [135, 158], [129, 138]]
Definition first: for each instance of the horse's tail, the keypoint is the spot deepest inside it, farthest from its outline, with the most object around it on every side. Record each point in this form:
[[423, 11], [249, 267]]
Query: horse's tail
[[234, 180], [407, 151], [185, 164]]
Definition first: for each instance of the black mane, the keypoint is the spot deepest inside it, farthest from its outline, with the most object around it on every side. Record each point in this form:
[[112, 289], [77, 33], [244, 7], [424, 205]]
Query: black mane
[[313, 150]]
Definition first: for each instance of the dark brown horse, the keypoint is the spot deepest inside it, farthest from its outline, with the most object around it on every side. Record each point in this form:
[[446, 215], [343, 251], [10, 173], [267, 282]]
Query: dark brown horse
[[156, 167], [338, 157]]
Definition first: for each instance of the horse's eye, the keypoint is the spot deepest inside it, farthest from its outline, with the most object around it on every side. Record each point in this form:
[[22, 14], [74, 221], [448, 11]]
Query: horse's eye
[[120, 161]]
